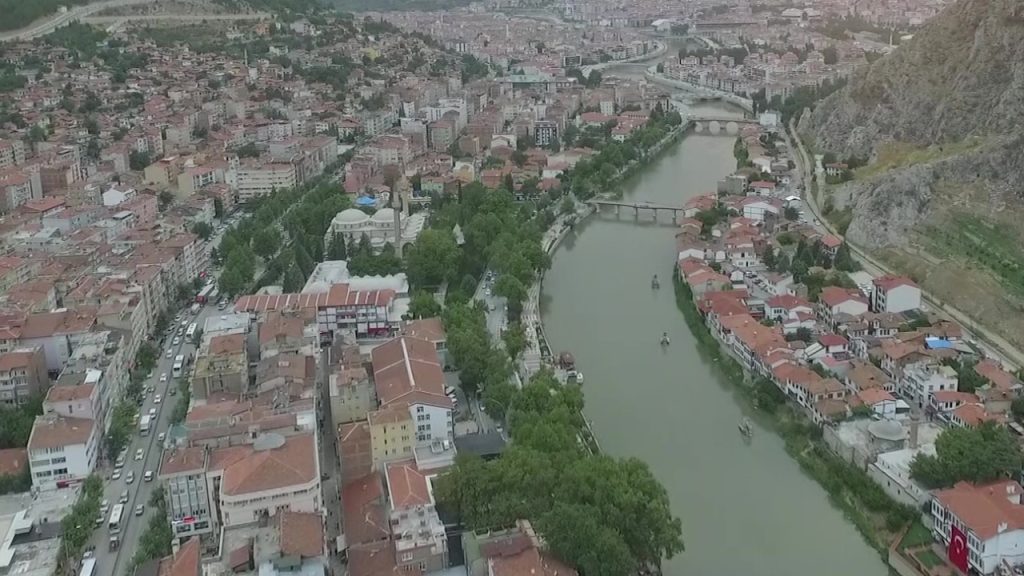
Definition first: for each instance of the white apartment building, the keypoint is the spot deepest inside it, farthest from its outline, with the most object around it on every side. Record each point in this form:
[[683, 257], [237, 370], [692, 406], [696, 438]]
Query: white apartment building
[[62, 451], [991, 517], [273, 474], [895, 294], [254, 181], [922, 379], [75, 401]]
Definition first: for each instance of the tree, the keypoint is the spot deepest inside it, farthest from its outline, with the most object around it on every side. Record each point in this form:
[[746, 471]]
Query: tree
[[423, 305], [138, 160], [791, 213], [602, 529], [981, 454], [232, 282], [121, 423], [337, 249], [844, 260], [266, 242], [218, 208], [203, 230], [293, 279], [568, 205], [304, 260], [166, 197], [514, 338], [432, 258], [769, 258]]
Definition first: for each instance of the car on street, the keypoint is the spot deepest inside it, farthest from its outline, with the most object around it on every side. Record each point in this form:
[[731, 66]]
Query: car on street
[[140, 509], [139, 454], [152, 412], [170, 353], [148, 476], [160, 437], [156, 399], [449, 390], [163, 377], [104, 506], [99, 520], [116, 475], [124, 497], [173, 390], [119, 463], [130, 477], [176, 341]]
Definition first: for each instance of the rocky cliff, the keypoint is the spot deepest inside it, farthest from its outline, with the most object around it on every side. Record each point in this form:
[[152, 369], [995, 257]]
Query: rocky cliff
[[960, 79]]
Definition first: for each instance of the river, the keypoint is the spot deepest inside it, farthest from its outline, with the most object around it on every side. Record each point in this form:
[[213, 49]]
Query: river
[[747, 509]]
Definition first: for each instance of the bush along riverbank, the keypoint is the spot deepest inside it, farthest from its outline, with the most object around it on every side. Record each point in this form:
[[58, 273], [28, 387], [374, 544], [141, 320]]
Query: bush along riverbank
[[877, 517]]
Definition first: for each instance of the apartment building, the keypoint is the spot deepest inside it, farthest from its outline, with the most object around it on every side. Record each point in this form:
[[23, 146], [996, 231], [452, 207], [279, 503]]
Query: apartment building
[[339, 309], [407, 373], [62, 451], [183, 474], [419, 535], [223, 367], [895, 294], [22, 375], [256, 180]]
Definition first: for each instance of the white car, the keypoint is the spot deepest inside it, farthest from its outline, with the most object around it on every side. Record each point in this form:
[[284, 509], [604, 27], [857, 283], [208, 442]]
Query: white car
[[449, 390], [104, 506], [116, 475], [130, 477], [156, 399], [148, 476], [139, 454], [163, 377], [140, 509], [170, 353], [152, 412], [176, 341]]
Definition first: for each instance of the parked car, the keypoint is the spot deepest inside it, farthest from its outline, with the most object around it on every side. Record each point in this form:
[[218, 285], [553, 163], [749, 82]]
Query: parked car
[[148, 476], [156, 399], [160, 437], [139, 454], [124, 497], [163, 377], [104, 506], [130, 477], [116, 475], [140, 509]]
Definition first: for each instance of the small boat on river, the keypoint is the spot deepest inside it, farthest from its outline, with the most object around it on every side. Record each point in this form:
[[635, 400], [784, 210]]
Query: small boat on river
[[654, 283], [664, 339], [746, 427]]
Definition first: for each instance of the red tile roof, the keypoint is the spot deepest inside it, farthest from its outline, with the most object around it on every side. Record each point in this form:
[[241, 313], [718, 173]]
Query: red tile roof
[[362, 502], [302, 534], [984, 509], [292, 464], [408, 369], [339, 295], [407, 485]]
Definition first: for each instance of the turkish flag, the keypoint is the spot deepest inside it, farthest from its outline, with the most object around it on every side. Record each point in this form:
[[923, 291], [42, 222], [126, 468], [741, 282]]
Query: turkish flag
[[957, 552]]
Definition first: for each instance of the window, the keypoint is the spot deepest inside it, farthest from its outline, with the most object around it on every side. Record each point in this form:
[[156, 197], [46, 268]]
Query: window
[[406, 556], [419, 409]]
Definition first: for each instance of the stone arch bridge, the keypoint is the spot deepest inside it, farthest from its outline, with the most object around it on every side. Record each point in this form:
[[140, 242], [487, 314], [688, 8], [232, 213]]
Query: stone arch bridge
[[723, 125]]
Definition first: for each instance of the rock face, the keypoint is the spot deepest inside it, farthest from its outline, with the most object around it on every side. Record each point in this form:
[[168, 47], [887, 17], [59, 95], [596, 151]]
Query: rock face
[[960, 77]]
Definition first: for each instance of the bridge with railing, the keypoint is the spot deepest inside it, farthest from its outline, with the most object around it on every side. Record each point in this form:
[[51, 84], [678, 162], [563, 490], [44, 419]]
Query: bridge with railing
[[637, 206]]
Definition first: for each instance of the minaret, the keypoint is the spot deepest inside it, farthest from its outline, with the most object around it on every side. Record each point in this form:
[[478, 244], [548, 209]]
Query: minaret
[[396, 210]]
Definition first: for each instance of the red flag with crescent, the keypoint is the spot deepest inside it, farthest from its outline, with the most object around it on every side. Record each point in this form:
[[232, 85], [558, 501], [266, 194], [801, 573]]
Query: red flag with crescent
[[957, 551]]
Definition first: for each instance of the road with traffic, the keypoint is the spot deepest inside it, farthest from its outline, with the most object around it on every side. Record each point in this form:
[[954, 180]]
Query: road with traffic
[[50, 23]]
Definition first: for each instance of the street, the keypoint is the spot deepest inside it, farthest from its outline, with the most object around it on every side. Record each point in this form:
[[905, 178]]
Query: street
[[118, 562]]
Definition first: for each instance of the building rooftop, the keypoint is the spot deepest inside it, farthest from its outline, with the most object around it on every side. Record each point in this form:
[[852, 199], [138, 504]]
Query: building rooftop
[[52, 431], [404, 368], [292, 462]]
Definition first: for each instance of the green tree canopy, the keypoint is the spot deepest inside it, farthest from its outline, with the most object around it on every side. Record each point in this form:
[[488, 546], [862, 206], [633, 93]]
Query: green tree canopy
[[423, 305], [979, 454], [432, 258]]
